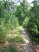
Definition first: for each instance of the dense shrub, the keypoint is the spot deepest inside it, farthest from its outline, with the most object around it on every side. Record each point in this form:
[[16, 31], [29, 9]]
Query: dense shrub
[[25, 22], [33, 25], [7, 22], [2, 33], [33, 28]]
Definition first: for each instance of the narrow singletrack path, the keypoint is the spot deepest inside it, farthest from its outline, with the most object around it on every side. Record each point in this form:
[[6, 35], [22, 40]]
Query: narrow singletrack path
[[28, 45]]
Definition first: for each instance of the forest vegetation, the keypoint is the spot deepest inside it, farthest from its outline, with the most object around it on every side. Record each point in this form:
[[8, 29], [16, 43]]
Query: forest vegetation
[[12, 16]]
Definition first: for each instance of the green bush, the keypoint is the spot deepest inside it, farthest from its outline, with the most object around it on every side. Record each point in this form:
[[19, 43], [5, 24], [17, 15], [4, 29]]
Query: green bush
[[7, 23], [2, 34], [32, 25], [25, 22], [33, 28]]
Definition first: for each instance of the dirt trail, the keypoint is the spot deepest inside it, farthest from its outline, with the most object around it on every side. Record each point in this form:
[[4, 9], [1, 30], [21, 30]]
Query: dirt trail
[[28, 45]]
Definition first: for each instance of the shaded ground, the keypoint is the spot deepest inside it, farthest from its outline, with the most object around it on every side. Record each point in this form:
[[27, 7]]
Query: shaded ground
[[28, 45]]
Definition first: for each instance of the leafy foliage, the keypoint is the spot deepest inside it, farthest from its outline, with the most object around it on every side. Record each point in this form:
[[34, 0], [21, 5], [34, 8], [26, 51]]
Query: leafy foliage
[[21, 11], [11, 17], [17, 38], [33, 23], [7, 22], [25, 22]]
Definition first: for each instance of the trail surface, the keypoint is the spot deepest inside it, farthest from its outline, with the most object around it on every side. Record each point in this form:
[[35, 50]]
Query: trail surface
[[28, 45]]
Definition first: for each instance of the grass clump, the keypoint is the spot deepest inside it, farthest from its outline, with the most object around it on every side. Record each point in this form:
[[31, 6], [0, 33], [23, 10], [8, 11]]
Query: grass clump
[[9, 48], [18, 39]]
